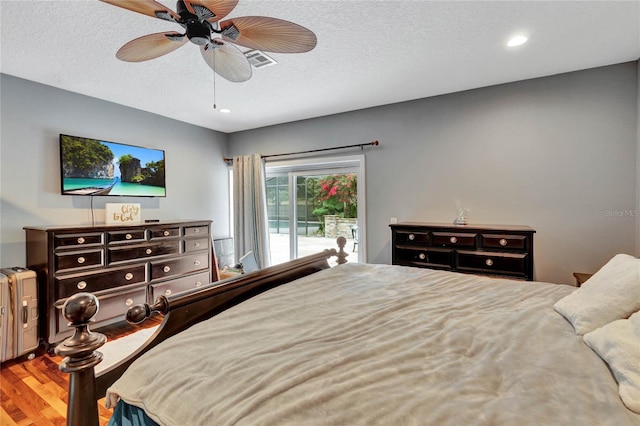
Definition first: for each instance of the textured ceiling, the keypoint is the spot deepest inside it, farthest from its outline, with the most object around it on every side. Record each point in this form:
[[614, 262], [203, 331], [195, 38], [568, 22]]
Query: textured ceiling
[[369, 53]]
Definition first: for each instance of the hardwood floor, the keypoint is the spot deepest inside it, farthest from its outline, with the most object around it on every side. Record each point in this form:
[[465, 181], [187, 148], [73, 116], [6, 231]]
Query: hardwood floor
[[34, 392]]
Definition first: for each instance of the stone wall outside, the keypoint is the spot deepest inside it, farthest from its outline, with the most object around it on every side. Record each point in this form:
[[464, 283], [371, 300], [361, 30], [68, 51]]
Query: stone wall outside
[[335, 226]]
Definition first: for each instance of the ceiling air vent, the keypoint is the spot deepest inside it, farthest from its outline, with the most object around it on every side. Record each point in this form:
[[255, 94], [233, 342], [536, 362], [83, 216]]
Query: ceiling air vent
[[259, 59]]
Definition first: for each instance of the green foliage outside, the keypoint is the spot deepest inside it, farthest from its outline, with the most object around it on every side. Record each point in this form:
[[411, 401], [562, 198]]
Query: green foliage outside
[[317, 196], [339, 196]]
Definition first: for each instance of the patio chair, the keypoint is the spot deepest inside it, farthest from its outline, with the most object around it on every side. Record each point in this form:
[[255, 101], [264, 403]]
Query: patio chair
[[354, 233]]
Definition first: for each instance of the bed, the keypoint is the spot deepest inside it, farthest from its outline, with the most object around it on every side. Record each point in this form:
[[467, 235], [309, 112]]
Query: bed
[[363, 344]]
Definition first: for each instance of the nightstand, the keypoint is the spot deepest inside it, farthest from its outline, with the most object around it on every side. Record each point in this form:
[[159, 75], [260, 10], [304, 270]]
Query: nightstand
[[581, 278]]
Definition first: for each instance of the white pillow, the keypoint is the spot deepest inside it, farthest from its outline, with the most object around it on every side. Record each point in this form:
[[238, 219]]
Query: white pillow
[[610, 294], [618, 344]]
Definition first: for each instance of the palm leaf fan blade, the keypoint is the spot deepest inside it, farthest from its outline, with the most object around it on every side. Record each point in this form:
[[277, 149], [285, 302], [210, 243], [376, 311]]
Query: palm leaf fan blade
[[146, 7], [227, 61], [220, 8], [151, 46], [269, 34]]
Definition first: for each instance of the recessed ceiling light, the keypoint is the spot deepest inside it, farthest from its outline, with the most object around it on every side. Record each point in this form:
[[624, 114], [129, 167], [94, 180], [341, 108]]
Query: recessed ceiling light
[[517, 41], [225, 110]]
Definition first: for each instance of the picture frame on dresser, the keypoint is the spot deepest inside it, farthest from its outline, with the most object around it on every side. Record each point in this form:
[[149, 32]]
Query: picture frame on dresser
[[497, 250], [123, 265]]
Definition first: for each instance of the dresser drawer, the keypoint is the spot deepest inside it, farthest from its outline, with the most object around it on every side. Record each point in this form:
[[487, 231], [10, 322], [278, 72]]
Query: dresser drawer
[[66, 287], [498, 241], [113, 307], [424, 257], [408, 237], [165, 232], [142, 251], [196, 244], [184, 265], [514, 264], [113, 261], [505, 250], [132, 235], [77, 240], [179, 285], [196, 231], [454, 239], [78, 260]]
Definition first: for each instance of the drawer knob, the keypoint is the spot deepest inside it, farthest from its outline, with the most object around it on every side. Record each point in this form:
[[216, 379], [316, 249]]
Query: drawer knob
[[412, 237], [197, 262], [502, 242], [81, 260], [128, 276], [488, 262], [148, 251], [166, 233], [128, 236], [196, 244], [128, 302], [453, 240], [422, 256], [82, 285], [198, 283], [167, 292], [80, 240], [166, 269], [197, 230]]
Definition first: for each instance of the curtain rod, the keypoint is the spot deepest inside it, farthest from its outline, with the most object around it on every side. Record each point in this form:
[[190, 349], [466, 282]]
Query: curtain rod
[[358, 145]]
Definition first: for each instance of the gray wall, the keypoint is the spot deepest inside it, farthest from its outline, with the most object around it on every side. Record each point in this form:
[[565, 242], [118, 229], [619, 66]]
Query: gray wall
[[557, 153], [638, 171], [561, 154], [33, 116]]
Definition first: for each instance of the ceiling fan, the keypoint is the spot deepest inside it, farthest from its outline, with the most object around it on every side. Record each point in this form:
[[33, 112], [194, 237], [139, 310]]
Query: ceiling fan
[[200, 20]]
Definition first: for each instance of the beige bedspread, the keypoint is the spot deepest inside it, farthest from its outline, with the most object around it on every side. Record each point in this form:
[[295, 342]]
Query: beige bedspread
[[381, 345]]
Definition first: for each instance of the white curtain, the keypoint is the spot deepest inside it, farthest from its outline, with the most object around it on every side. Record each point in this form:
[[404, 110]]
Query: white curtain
[[251, 225]]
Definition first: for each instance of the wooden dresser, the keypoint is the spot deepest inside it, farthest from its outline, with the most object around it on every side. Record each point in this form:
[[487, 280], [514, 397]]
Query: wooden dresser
[[481, 249], [121, 265]]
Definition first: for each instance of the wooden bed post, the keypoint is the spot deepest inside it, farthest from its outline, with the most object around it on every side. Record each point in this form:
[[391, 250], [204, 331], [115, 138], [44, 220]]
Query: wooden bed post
[[80, 359], [180, 312], [341, 255]]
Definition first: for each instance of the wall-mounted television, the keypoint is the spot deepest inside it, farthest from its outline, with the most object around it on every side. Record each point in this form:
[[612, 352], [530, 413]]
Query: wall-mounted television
[[97, 167]]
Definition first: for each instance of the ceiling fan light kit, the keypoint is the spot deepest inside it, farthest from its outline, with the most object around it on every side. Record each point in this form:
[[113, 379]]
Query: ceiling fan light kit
[[217, 39]]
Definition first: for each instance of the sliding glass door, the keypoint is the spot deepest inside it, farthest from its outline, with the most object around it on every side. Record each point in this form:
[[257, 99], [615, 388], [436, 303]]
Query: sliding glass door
[[312, 202]]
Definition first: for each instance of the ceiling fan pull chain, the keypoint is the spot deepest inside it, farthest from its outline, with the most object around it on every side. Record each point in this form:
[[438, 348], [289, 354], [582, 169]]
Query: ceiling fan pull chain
[[214, 80]]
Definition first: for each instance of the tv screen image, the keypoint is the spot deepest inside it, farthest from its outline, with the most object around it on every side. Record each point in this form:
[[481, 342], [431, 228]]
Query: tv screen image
[[96, 167]]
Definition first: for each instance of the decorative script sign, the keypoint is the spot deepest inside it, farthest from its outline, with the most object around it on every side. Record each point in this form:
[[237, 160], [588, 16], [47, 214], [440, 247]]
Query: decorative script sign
[[122, 213]]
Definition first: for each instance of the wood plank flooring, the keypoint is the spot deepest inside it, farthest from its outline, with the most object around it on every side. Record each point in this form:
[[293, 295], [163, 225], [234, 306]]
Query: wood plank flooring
[[34, 392]]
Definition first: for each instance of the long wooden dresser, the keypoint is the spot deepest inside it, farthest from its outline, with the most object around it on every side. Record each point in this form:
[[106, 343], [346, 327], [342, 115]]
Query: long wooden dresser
[[500, 250], [121, 265]]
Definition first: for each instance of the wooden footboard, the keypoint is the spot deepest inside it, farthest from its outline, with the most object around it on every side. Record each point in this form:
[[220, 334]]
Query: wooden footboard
[[180, 312]]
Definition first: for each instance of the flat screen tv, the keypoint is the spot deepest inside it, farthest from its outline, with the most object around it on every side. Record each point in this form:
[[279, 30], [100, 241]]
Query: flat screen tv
[[96, 167]]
